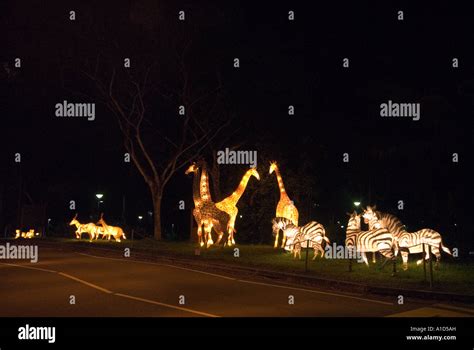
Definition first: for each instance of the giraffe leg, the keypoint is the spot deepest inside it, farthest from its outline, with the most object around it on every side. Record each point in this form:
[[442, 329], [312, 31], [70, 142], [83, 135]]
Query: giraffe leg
[[209, 236], [230, 238], [199, 233], [220, 234]]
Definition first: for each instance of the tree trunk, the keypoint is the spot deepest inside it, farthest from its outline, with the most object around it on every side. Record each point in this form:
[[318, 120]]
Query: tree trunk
[[156, 197]]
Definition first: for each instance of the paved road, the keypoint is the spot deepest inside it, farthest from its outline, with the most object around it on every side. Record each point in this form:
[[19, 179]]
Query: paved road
[[105, 286]]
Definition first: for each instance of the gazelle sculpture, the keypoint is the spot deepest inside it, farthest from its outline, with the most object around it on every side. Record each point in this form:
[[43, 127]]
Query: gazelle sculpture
[[88, 228], [109, 231]]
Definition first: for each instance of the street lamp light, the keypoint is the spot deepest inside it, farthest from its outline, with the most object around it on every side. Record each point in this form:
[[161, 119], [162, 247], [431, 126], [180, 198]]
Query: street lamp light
[[99, 197], [140, 217], [356, 204]]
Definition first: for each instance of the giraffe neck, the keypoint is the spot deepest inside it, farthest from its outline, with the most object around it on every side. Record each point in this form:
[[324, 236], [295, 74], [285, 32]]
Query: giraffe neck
[[281, 186], [235, 196], [204, 191]]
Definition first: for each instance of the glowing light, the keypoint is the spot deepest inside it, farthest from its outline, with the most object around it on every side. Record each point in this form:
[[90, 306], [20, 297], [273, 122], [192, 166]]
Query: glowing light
[[28, 234], [111, 231], [99, 195], [140, 217], [205, 212], [356, 204], [285, 207], [91, 229], [229, 204]]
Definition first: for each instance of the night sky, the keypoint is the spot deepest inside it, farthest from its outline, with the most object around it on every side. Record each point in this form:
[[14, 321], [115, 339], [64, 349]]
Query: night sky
[[282, 63]]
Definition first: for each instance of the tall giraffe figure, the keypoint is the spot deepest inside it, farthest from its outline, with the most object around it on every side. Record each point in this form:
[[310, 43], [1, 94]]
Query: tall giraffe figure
[[205, 212], [205, 193], [285, 208], [229, 204]]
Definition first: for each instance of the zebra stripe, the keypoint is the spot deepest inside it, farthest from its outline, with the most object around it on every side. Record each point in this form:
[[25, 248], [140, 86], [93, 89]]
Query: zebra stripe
[[297, 238], [375, 240], [407, 242]]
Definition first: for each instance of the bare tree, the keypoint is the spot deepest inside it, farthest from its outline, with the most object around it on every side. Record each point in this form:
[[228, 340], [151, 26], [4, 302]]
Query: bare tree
[[157, 146]]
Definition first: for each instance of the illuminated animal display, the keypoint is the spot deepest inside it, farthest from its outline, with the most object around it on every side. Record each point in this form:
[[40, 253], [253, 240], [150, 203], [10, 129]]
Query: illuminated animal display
[[375, 240], [111, 231], [278, 224], [229, 204], [406, 242], [285, 207], [205, 211], [29, 234], [89, 228], [298, 237]]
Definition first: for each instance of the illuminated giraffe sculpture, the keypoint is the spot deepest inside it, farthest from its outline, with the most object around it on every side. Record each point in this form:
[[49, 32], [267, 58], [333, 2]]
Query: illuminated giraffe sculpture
[[229, 204], [205, 212], [113, 231], [285, 208]]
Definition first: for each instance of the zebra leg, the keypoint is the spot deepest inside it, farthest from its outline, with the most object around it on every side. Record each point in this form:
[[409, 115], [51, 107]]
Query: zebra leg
[[436, 252], [364, 257], [405, 260], [283, 240], [276, 239], [374, 259]]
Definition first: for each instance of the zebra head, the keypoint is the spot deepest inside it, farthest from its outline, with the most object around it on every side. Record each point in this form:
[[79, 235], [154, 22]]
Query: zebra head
[[354, 221], [353, 228], [279, 223], [372, 217], [369, 214]]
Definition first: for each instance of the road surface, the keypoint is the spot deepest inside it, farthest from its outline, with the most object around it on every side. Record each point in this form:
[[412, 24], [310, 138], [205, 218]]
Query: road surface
[[73, 284]]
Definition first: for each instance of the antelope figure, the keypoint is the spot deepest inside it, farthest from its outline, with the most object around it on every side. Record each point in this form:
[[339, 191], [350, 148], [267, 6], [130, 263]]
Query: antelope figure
[[285, 207], [89, 228], [229, 204], [113, 231]]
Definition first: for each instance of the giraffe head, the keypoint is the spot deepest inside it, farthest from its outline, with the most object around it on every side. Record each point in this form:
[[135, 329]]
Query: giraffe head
[[74, 221], [193, 168], [254, 172], [273, 167]]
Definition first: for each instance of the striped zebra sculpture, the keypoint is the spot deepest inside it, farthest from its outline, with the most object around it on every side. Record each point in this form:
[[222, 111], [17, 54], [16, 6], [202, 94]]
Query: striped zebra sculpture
[[406, 242], [375, 240], [297, 237]]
